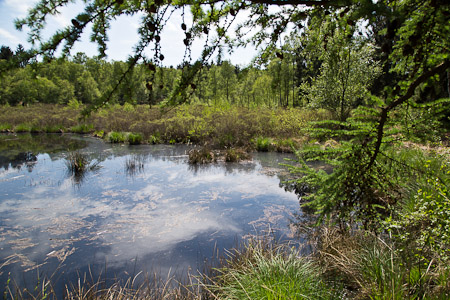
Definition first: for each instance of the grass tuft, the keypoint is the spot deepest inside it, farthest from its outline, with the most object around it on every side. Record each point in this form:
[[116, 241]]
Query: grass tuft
[[263, 144], [263, 270], [117, 137], [135, 138]]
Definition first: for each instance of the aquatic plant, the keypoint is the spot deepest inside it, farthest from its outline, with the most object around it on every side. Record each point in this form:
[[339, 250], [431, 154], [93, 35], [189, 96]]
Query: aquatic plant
[[202, 156], [135, 138], [134, 164], [117, 137], [235, 155], [263, 144], [78, 165]]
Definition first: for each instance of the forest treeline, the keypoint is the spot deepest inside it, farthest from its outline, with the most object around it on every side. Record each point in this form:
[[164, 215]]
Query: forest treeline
[[325, 67], [84, 79]]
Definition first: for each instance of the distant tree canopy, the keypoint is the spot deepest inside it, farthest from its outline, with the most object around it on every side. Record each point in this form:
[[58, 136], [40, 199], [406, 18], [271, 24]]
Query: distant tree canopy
[[411, 35]]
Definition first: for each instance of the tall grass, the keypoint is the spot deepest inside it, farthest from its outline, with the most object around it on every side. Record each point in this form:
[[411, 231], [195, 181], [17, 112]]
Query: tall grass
[[263, 270]]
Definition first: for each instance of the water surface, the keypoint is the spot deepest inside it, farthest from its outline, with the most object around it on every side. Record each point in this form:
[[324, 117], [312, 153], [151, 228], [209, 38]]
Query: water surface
[[143, 209]]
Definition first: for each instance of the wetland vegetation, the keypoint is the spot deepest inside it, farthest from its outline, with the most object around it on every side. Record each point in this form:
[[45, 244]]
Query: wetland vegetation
[[359, 91]]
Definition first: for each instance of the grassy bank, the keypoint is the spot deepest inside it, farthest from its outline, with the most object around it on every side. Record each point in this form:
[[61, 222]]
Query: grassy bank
[[219, 127], [360, 265]]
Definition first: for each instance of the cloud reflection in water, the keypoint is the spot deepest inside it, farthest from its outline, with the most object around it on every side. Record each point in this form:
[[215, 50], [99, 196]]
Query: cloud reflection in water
[[115, 217]]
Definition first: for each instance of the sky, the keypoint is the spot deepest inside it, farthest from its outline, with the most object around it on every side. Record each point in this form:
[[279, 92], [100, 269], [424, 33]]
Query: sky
[[122, 36]]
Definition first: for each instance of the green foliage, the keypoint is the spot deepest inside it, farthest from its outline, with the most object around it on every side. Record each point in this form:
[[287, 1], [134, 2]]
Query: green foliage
[[423, 226], [5, 127], [54, 129], [22, 128], [154, 139], [263, 144], [82, 128], [135, 138], [261, 271], [116, 137], [99, 133], [74, 103]]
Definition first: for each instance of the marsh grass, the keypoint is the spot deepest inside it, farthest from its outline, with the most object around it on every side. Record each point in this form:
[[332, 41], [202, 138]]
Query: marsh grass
[[78, 165], [262, 269], [5, 128], [117, 137], [82, 128], [22, 127], [263, 144], [369, 266], [135, 138]]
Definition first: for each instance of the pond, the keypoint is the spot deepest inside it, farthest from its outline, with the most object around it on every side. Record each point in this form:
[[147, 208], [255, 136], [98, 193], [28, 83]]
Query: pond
[[143, 208]]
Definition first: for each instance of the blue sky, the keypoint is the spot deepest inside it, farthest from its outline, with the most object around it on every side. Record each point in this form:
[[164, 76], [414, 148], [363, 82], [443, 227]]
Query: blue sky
[[122, 36]]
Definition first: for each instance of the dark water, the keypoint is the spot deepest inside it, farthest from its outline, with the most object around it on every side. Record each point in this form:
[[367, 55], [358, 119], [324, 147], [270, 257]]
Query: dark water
[[143, 209]]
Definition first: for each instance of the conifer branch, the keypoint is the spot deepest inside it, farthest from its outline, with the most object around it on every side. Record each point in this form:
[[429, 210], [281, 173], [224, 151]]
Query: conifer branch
[[409, 93]]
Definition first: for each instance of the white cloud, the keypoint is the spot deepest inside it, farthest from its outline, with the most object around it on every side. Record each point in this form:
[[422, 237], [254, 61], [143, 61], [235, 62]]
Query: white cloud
[[20, 7], [9, 36]]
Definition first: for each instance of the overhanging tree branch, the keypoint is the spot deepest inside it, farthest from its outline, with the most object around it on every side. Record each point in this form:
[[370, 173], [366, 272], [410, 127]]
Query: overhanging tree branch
[[409, 93]]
